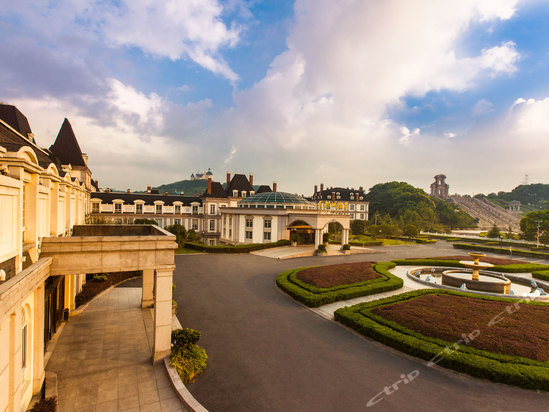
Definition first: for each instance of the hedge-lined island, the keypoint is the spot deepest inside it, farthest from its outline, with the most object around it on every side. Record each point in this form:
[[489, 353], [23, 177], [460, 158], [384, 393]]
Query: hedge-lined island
[[501, 339]]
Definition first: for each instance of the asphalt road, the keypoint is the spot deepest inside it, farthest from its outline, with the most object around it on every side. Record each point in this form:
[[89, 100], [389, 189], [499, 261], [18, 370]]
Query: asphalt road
[[269, 353]]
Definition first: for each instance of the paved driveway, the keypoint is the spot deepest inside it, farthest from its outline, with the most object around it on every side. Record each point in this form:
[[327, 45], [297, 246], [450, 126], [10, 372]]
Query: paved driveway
[[269, 353]]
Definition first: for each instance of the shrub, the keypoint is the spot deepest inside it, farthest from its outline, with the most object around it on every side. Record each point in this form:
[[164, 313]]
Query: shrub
[[235, 249], [188, 359], [144, 222], [45, 405], [325, 237], [313, 297], [410, 230], [321, 248], [99, 278], [505, 251], [541, 274], [346, 246]]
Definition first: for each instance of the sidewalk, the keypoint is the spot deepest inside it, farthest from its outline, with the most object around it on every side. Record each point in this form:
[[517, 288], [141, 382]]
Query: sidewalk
[[288, 252], [103, 359]]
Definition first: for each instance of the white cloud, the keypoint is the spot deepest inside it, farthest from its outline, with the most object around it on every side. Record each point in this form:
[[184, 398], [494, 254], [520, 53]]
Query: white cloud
[[450, 135], [482, 107]]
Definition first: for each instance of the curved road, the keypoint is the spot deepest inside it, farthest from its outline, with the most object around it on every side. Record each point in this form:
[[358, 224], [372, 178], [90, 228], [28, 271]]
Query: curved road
[[269, 353]]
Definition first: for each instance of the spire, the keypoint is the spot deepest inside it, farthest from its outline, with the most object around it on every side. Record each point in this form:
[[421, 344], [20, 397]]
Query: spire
[[66, 146]]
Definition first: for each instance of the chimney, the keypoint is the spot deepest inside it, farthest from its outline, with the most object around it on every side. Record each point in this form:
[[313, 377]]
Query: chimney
[[251, 180], [209, 185], [128, 191], [322, 187], [274, 186], [165, 193], [107, 190], [333, 195], [361, 189], [316, 189], [148, 189], [228, 180]]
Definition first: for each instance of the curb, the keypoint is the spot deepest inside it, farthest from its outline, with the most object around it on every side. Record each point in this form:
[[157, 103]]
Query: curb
[[182, 392]]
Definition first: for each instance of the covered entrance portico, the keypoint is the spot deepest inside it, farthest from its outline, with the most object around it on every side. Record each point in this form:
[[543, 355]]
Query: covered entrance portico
[[117, 248], [318, 221]]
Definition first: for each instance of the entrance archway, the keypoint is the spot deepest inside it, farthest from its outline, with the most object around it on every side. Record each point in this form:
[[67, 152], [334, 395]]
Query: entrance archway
[[302, 232]]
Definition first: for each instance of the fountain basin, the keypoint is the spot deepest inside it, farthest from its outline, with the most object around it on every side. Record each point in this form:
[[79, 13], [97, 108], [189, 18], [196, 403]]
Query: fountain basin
[[487, 281]]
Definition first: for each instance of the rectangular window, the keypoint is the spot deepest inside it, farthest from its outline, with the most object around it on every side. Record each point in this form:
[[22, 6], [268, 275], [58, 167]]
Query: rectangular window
[[212, 225], [159, 222], [24, 332], [266, 235], [362, 216], [177, 209], [195, 224], [224, 232], [212, 209], [267, 223], [230, 233], [195, 210], [230, 220], [118, 208], [249, 234], [224, 220], [361, 207], [158, 209], [249, 223], [351, 207], [352, 216], [95, 207], [177, 221], [139, 208]]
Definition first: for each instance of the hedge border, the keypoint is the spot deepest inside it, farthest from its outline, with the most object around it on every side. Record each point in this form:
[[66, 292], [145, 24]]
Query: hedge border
[[523, 372], [504, 251], [541, 274], [515, 268], [323, 296], [235, 249]]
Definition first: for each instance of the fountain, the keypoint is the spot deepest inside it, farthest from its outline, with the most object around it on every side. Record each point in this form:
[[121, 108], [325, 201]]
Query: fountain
[[479, 280]]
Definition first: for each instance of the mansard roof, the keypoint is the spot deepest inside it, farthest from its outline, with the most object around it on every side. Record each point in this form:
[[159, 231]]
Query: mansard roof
[[217, 191], [149, 199], [239, 182], [12, 116], [263, 189], [66, 147], [343, 193]]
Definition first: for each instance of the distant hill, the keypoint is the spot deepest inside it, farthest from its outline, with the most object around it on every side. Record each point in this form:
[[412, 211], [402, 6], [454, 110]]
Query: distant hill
[[188, 187], [532, 197]]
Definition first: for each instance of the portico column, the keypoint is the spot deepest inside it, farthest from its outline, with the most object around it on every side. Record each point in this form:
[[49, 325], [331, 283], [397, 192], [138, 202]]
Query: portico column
[[162, 312], [147, 298], [318, 237], [344, 237], [38, 341]]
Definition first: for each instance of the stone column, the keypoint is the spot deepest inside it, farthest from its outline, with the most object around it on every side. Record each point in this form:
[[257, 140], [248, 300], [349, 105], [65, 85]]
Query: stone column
[[344, 237], [147, 295], [318, 237], [162, 312], [14, 387], [38, 341]]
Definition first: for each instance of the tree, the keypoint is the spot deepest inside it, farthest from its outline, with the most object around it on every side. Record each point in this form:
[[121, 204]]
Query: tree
[[179, 232], [529, 225], [358, 227], [494, 232], [144, 222], [410, 230]]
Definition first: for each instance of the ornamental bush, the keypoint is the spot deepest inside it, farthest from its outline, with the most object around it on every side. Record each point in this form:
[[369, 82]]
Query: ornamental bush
[[188, 359], [321, 248], [346, 246], [45, 405]]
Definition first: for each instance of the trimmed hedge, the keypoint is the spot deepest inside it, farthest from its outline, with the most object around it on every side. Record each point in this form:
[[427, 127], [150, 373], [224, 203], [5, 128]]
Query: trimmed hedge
[[516, 268], [313, 297], [366, 243], [541, 274], [419, 240], [514, 370], [235, 249], [504, 251]]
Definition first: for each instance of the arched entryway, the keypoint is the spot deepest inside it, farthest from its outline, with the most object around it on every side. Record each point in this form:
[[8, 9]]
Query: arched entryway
[[302, 233]]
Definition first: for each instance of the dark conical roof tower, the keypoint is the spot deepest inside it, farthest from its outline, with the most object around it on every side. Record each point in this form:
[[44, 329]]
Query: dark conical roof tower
[[12, 116], [66, 147]]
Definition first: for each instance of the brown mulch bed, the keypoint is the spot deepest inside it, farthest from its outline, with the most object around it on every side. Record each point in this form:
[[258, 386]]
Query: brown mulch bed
[[487, 259], [524, 332], [336, 275], [92, 288]]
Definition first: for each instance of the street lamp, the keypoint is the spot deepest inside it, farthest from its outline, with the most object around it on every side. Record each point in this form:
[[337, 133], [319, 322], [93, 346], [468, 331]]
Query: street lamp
[[537, 237]]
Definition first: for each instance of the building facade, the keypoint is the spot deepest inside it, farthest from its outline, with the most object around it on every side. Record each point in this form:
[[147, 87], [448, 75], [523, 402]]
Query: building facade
[[342, 200], [43, 193], [201, 214]]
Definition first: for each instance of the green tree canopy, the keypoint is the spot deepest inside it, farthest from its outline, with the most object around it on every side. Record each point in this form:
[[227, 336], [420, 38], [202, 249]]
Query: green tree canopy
[[529, 225]]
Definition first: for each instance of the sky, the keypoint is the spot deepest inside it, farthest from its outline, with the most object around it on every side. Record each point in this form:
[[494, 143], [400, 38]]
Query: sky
[[347, 93]]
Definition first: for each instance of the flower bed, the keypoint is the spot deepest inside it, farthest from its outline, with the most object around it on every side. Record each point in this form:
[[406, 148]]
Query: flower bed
[[462, 322], [314, 296], [336, 275]]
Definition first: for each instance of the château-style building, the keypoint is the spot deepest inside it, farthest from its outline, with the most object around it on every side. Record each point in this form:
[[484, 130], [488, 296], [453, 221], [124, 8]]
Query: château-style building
[[202, 176], [342, 199], [45, 252]]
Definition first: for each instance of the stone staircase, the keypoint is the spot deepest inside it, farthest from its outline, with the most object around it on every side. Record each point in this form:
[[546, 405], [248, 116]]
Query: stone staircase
[[487, 213]]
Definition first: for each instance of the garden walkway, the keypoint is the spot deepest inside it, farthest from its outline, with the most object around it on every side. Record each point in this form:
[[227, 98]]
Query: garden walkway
[[103, 358]]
